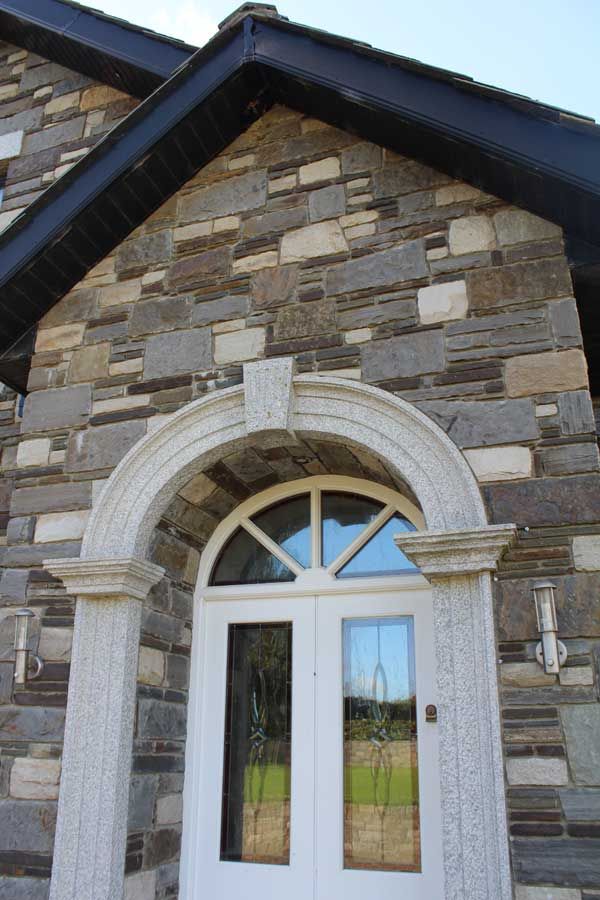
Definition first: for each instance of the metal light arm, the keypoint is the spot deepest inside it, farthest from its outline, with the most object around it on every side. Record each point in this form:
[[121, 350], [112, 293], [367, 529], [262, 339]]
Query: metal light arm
[[550, 652]]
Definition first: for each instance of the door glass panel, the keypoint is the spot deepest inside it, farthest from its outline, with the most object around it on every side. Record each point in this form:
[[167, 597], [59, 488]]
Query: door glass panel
[[288, 524], [380, 556], [381, 793], [344, 517], [244, 561], [255, 825]]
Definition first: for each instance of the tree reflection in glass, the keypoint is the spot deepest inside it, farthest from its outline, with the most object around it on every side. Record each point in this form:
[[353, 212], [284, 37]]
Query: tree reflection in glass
[[255, 824], [381, 793]]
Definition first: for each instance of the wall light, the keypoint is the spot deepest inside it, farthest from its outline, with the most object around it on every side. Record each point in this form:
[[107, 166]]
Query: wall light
[[23, 656], [550, 652]]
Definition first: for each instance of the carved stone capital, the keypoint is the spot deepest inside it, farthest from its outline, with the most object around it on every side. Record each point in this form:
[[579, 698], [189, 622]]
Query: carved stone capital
[[465, 551], [106, 579], [268, 395]]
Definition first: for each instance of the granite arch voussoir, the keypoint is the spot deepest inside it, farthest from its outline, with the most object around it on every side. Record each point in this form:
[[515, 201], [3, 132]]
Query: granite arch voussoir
[[196, 435]]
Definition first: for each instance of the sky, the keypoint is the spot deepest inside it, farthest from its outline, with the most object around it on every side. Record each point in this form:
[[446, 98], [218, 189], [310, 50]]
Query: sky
[[546, 49]]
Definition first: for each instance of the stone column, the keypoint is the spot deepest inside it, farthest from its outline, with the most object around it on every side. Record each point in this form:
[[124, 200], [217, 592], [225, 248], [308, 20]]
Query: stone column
[[475, 836], [91, 831]]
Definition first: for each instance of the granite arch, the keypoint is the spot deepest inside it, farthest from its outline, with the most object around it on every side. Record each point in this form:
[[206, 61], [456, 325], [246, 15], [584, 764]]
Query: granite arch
[[457, 552]]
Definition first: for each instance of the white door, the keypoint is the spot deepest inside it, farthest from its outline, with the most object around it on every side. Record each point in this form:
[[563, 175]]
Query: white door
[[319, 774], [255, 838]]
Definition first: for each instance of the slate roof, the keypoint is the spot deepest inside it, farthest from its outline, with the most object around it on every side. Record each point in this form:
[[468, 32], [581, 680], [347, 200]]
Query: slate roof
[[534, 155]]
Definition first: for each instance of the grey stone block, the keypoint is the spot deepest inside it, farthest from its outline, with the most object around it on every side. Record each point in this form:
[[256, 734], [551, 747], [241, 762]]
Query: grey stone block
[[193, 270], [24, 888], [161, 314], [51, 498], [225, 198], [386, 267], [20, 530], [576, 412], [361, 158], [142, 794], [545, 501], [305, 319], [277, 221], [403, 356], [13, 585], [37, 76], [327, 203], [28, 120], [565, 323], [581, 804], [102, 447], [405, 177], [564, 861], [582, 730], [27, 826], [206, 312], [150, 249], [398, 311], [64, 133], [161, 719], [7, 671], [569, 459], [33, 723], [57, 408], [473, 423], [178, 352], [35, 554]]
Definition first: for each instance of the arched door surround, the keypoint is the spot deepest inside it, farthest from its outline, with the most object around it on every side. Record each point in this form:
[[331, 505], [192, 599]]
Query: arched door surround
[[457, 553]]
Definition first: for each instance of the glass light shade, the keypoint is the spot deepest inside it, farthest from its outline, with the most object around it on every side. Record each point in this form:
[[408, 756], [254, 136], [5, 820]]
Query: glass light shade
[[543, 592], [22, 617]]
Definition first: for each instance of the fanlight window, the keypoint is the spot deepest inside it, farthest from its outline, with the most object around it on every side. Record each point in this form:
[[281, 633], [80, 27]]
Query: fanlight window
[[348, 534]]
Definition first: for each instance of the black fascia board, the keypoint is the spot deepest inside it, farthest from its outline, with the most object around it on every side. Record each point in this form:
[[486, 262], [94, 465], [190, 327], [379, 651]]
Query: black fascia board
[[115, 52], [544, 152], [42, 223]]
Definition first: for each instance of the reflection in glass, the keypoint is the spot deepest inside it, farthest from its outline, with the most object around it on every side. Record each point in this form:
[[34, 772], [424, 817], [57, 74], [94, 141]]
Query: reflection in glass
[[380, 556], [244, 561], [255, 824], [344, 517], [381, 793], [288, 524]]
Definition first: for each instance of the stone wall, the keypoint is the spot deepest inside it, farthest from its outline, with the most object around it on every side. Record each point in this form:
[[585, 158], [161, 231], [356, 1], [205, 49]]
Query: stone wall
[[50, 116], [303, 240]]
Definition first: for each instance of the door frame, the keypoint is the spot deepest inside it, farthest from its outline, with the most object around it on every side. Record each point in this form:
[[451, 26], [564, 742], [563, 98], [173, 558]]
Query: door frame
[[317, 581]]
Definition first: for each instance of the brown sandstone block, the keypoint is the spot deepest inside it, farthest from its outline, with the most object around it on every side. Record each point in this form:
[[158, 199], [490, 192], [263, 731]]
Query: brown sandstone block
[[537, 373]]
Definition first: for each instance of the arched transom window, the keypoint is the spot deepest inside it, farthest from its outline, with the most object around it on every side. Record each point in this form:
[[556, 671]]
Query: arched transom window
[[342, 526]]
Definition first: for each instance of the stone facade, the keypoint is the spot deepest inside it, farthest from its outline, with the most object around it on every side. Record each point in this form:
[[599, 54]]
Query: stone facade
[[301, 240], [50, 116]]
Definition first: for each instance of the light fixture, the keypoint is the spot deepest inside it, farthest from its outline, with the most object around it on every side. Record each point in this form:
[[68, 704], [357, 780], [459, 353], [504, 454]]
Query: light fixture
[[23, 656], [550, 652]]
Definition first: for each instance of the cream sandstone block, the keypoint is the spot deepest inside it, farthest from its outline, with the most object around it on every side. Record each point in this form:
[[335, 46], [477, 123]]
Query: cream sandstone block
[[443, 302], [62, 337], [503, 463], [321, 239], [237, 346], [471, 234], [322, 170], [61, 526]]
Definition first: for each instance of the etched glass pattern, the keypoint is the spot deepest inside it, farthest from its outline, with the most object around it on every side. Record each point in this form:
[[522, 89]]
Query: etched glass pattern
[[381, 792], [255, 825]]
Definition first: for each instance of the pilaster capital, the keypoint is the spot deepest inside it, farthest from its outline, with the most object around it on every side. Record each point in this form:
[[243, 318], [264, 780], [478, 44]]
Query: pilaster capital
[[465, 551], [106, 579]]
